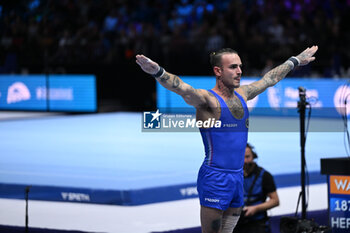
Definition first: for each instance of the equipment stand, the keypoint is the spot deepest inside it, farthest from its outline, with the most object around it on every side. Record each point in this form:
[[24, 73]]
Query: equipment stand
[[302, 106]]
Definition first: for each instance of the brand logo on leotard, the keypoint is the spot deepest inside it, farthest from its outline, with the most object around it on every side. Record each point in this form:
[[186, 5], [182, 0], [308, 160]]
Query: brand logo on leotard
[[247, 123], [211, 200]]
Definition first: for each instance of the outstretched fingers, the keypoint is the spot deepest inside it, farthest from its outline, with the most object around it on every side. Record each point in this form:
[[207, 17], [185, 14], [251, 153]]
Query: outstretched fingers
[[147, 64], [312, 50], [306, 56], [142, 60], [312, 59]]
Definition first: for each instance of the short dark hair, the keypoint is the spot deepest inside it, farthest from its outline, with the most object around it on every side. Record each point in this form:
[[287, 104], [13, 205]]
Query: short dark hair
[[251, 147], [215, 57]]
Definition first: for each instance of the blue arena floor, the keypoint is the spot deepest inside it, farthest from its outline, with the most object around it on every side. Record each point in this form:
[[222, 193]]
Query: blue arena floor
[[106, 158]]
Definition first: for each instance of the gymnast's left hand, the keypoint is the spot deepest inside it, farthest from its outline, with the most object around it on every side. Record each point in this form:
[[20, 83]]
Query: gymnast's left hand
[[147, 64], [307, 55]]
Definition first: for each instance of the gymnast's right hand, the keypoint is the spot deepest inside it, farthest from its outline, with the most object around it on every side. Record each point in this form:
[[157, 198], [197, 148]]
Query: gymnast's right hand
[[147, 64]]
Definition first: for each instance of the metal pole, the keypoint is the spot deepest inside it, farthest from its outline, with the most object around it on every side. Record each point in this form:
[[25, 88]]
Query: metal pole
[[302, 106], [26, 217]]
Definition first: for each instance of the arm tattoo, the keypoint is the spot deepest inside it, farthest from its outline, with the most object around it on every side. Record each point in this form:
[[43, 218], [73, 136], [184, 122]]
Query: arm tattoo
[[216, 99], [169, 80], [271, 78], [277, 74], [176, 82], [164, 78]]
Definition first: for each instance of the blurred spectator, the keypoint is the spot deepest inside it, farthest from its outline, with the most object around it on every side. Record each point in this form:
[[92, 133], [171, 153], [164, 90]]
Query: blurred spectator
[[215, 41], [10, 64], [41, 33], [111, 21]]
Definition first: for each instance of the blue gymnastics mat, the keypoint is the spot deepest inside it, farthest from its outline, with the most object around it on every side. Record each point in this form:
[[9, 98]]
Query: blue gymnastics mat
[[105, 158]]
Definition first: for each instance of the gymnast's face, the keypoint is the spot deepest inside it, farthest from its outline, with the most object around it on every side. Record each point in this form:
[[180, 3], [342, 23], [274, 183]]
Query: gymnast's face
[[230, 71]]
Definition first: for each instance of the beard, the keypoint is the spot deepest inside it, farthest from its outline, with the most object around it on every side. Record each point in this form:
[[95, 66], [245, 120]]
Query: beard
[[239, 83], [230, 82], [248, 168]]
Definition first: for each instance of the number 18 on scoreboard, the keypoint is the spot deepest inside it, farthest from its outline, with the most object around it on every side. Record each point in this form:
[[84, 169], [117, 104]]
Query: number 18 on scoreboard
[[339, 203]]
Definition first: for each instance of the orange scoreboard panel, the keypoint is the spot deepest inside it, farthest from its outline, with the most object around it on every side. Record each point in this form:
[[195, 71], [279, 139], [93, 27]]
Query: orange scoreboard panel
[[339, 203]]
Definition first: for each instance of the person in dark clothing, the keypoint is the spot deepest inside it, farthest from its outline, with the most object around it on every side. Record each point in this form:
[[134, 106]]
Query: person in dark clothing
[[258, 185]]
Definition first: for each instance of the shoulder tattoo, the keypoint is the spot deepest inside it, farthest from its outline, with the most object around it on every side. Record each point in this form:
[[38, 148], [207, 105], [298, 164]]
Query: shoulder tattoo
[[216, 99]]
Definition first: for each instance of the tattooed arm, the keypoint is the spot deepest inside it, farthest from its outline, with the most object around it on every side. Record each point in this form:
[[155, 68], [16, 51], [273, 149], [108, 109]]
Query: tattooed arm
[[277, 74], [194, 97]]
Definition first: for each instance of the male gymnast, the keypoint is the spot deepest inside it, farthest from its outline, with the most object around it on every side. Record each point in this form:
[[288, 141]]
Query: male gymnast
[[220, 178]]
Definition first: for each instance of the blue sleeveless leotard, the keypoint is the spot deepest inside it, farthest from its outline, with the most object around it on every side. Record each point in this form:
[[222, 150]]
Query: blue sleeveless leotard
[[225, 147], [220, 178]]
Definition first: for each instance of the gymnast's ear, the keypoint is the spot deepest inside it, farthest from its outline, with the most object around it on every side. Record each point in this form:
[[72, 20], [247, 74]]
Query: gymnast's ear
[[217, 71]]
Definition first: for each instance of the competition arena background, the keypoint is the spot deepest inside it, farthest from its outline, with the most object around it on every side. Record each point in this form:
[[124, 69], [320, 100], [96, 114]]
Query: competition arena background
[[99, 172], [104, 158]]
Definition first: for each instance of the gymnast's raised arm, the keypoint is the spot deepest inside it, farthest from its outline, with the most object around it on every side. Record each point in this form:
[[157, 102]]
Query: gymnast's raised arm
[[277, 74], [192, 96]]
